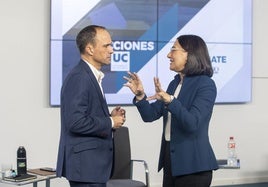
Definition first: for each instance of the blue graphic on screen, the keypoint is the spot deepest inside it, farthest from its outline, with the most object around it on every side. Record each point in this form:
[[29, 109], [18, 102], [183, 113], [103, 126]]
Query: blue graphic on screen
[[154, 26], [143, 32]]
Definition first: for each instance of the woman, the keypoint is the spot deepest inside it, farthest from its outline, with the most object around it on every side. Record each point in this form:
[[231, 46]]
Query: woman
[[186, 155]]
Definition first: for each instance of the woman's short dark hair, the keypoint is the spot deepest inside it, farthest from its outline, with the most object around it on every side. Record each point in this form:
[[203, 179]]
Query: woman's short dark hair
[[87, 35], [198, 60]]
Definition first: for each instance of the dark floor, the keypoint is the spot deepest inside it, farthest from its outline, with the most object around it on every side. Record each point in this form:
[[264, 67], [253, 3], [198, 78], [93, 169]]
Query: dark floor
[[247, 185]]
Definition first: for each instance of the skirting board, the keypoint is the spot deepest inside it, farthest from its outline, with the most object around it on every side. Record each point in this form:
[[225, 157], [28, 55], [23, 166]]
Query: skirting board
[[220, 182]]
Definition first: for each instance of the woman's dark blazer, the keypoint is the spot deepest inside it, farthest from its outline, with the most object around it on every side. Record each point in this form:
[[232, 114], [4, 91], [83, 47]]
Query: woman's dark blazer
[[190, 149]]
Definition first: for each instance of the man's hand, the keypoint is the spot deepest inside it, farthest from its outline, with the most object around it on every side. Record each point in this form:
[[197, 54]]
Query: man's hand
[[119, 116], [118, 111]]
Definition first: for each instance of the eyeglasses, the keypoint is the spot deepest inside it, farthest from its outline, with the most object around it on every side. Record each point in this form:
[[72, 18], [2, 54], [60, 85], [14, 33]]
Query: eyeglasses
[[177, 49]]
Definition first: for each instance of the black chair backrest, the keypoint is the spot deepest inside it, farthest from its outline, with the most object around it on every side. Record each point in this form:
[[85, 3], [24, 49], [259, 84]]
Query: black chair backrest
[[122, 154]]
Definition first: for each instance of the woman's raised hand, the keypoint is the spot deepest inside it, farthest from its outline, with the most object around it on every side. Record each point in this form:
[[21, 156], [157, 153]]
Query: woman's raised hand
[[135, 85], [160, 94]]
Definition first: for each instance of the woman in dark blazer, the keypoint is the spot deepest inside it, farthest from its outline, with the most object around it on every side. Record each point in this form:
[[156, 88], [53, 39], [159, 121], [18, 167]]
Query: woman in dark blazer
[[186, 156]]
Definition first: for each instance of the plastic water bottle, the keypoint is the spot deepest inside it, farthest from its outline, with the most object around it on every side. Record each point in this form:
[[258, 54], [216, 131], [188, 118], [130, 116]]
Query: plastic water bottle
[[232, 157], [21, 161]]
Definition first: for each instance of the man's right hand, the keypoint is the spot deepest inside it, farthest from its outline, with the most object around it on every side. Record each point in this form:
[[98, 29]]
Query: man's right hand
[[118, 121]]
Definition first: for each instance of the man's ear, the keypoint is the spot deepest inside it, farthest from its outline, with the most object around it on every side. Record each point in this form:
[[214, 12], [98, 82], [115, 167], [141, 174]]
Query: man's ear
[[90, 50]]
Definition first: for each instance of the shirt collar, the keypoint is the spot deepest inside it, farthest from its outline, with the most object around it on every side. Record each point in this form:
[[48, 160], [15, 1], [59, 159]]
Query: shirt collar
[[99, 75]]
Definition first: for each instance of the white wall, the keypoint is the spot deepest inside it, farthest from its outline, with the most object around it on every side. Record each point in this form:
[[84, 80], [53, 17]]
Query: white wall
[[27, 119]]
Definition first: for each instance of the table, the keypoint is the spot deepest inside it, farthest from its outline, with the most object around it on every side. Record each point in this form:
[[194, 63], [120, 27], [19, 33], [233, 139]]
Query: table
[[32, 181], [223, 164]]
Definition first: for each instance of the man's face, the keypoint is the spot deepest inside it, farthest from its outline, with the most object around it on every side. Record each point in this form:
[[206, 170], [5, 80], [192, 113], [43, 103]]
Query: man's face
[[102, 50]]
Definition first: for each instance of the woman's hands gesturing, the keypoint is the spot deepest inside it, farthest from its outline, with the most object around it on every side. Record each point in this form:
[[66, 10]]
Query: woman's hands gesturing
[[160, 94], [135, 85]]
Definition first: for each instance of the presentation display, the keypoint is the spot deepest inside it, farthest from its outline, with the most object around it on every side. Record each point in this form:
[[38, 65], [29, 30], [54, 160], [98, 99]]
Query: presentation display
[[143, 33]]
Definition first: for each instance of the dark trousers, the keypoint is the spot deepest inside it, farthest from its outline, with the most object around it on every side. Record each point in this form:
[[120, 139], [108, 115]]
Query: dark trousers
[[83, 184], [200, 179]]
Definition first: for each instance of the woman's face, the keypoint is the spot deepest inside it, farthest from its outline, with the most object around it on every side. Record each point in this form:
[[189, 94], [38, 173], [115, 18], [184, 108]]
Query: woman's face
[[177, 57]]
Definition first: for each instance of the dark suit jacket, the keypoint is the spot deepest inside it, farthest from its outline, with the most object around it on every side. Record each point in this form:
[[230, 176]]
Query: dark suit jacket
[[86, 148], [190, 148]]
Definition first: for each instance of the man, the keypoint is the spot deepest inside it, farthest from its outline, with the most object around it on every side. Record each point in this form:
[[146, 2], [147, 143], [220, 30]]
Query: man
[[86, 149]]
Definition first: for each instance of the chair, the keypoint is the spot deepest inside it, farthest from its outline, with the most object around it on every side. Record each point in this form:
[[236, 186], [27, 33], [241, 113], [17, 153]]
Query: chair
[[122, 175]]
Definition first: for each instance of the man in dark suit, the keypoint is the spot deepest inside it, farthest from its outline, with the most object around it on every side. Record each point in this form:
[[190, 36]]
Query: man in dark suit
[[86, 148]]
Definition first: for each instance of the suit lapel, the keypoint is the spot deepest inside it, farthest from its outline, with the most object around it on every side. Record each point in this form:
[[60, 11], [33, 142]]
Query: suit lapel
[[96, 85]]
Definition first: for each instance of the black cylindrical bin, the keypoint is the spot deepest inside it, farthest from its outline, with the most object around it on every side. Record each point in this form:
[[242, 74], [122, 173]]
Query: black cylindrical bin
[[21, 161]]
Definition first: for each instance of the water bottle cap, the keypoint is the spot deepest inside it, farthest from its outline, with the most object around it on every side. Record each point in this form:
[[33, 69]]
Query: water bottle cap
[[21, 152]]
